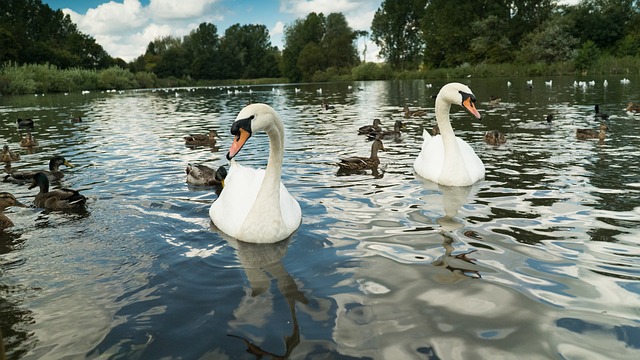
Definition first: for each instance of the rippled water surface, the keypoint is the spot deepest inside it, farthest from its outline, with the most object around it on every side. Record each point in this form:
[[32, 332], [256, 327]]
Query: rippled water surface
[[540, 260]]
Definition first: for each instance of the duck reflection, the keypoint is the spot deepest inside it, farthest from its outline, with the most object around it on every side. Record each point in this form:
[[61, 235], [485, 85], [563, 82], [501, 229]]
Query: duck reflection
[[262, 264], [460, 264]]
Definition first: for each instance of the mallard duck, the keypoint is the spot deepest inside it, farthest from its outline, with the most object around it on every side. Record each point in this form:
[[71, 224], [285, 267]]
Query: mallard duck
[[494, 137], [7, 200], [200, 175], [600, 115], [57, 199], [28, 141], [446, 159], [368, 129], [76, 119], [201, 139], [388, 134], [326, 106], [7, 156], [584, 134], [549, 118], [53, 174], [417, 113], [363, 163], [255, 206], [633, 108], [435, 130], [25, 123], [493, 101]]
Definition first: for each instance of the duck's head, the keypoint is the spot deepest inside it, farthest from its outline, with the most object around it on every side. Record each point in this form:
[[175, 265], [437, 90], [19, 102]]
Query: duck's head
[[56, 161], [40, 179], [459, 94], [7, 199], [252, 118], [377, 145]]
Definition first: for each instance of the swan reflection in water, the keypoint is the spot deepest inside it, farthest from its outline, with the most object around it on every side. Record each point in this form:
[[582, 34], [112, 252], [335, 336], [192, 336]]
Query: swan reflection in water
[[453, 199], [262, 264]]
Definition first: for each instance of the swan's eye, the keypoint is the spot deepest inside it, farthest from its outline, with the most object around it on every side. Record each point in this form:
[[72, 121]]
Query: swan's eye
[[466, 96], [242, 124]]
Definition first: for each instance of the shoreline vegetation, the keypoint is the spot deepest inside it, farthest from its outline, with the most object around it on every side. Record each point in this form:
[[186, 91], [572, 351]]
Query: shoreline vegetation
[[42, 79]]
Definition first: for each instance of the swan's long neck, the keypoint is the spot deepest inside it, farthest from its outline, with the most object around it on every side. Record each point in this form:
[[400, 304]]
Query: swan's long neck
[[273, 172], [446, 131]]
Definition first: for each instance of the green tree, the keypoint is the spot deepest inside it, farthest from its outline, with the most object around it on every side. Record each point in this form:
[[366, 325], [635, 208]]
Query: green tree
[[605, 22], [203, 45], [586, 56], [296, 38], [551, 42], [338, 42], [397, 30]]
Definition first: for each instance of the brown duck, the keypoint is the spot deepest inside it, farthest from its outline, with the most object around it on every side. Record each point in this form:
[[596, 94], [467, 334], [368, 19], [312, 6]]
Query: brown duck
[[201, 139], [7, 200], [363, 163], [585, 134], [368, 129], [57, 199], [53, 174], [494, 137]]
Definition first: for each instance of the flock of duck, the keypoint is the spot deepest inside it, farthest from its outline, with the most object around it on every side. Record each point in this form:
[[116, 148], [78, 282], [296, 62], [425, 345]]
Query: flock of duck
[[56, 199], [253, 205]]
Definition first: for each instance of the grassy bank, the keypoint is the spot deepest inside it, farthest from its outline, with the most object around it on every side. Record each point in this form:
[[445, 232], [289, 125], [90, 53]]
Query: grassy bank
[[36, 79]]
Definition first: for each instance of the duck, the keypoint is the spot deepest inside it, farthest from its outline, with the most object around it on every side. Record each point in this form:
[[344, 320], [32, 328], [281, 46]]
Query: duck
[[326, 106], [255, 206], [25, 123], [7, 200], [549, 118], [53, 174], [446, 159], [633, 108], [416, 113], [584, 134], [201, 175], [57, 199], [28, 141], [7, 156], [201, 139], [76, 119], [435, 130], [494, 137], [368, 129], [493, 101], [363, 163], [388, 134], [600, 115]]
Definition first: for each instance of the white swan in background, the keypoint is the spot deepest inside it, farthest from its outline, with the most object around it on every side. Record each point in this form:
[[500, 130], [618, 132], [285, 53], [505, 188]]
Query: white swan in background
[[254, 205], [446, 159]]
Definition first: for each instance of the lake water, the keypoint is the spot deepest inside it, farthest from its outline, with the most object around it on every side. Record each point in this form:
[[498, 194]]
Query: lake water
[[540, 260]]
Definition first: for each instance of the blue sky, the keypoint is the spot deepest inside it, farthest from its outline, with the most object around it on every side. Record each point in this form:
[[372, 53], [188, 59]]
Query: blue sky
[[125, 27]]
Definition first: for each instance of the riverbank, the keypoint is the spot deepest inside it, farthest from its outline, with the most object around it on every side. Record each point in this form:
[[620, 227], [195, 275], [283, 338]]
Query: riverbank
[[39, 79]]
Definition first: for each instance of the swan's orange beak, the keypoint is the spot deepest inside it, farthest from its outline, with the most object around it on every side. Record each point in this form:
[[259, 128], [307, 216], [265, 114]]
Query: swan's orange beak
[[238, 141], [471, 106]]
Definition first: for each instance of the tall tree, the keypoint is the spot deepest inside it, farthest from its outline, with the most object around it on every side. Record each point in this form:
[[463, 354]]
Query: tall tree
[[338, 42], [203, 44], [296, 38], [397, 30]]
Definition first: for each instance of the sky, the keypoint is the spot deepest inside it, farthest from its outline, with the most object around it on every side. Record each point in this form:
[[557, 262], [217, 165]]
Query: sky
[[124, 28]]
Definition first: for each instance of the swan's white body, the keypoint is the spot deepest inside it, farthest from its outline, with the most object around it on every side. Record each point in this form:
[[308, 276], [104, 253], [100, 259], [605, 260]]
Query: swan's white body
[[254, 205], [446, 159]]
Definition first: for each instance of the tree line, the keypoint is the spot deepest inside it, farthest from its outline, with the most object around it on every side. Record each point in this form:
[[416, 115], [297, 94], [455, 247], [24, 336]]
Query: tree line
[[416, 37], [443, 33]]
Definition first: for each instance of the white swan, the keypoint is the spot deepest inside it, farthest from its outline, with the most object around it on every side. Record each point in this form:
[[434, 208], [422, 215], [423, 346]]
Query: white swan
[[254, 205], [445, 158]]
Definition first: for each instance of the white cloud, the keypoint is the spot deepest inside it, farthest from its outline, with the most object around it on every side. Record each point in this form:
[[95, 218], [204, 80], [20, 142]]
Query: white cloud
[[178, 9], [278, 29], [110, 18], [301, 8]]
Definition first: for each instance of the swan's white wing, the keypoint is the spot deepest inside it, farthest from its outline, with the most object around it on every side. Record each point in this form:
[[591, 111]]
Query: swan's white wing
[[430, 161], [241, 187]]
